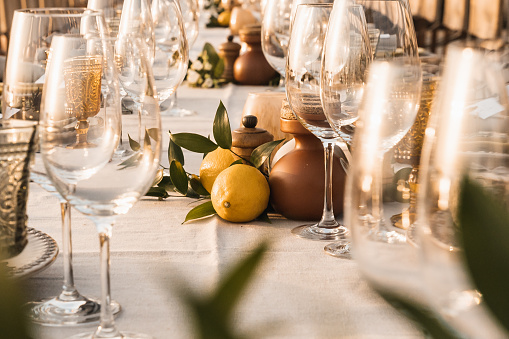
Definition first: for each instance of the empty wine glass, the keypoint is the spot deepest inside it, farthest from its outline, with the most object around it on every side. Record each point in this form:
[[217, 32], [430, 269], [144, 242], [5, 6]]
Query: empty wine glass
[[189, 10], [171, 48], [387, 111], [303, 93], [112, 11], [136, 18], [392, 37], [80, 130], [466, 136], [347, 55], [276, 22], [34, 30]]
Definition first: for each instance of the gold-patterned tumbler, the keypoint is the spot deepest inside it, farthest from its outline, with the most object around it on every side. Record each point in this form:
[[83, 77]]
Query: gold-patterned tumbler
[[82, 76]]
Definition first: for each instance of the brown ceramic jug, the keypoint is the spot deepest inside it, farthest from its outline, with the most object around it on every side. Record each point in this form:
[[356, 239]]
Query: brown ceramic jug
[[297, 179], [251, 68]]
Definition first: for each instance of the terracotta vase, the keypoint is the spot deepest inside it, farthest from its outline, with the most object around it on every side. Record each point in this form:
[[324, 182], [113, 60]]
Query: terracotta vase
[[297, 179], [251, 68]]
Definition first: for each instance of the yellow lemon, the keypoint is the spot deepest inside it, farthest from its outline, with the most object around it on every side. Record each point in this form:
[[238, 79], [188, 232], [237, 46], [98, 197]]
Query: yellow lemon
[[213, 164], [224, 18], [240, 193]]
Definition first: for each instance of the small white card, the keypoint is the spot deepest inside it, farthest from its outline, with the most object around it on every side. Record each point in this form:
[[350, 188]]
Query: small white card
[[487, 108], [9, 112]]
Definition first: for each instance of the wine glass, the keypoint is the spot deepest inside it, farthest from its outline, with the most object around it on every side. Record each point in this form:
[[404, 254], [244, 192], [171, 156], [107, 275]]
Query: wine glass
[[171, 48], [112, 11], [136, 18], [392, 37], [373, 189], [303, 93], [80, 130], [276, 22], [189, 10], [34, 30], [466, 136], [346, 57]]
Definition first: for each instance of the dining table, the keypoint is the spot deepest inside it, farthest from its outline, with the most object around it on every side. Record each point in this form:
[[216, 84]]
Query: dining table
[[297, 292]]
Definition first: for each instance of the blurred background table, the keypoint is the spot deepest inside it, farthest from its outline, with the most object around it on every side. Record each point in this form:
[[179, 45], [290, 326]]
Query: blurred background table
[[299, 292]]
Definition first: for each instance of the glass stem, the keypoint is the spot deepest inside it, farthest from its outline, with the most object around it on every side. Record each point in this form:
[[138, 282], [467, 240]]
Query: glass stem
[[328, 220], [107, 328], [69, 292], [378, 210], [282, 81]]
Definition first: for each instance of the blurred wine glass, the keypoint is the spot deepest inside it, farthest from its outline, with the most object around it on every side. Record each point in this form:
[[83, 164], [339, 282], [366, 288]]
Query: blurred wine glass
[[171, 47], [81, 126], [392, 38], [112, 11], [276, 33], [189, 10], [34, 30], [466, 137], [303, 93], [387, 111]]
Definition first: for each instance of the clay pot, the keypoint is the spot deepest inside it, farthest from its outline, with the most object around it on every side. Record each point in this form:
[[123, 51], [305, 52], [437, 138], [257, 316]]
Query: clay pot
[[297, 179], [251, 68]]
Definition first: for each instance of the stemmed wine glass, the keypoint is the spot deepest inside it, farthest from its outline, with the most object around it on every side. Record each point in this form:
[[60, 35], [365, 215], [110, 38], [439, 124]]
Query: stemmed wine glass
[[466, 136], [303, 93], [392, 37], [34, 30], [189, 10], [171, 48], [277, 17], [81, 126], [346, 58]]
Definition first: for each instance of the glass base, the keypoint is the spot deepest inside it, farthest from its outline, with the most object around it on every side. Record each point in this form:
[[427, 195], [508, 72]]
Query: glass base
[[339, 249], [57, 312], [124, 335], [177, 112], [314, 232]]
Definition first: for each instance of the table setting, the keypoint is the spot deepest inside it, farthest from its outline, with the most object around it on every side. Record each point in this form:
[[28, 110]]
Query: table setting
[[319, 176]]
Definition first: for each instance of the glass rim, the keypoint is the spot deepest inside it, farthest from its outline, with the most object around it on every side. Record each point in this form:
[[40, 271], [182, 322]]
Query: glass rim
[[329, 4], [56, 12]]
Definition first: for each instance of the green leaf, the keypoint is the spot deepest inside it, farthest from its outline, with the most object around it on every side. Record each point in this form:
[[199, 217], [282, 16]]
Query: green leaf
[[201, 211], [236, 162], [263, 152], [235, 282], [198, 187], [175, 153], [159, 177], [135, 146], [158, 192], [221, 129], [484, 224], [426, 318], [264, 217], [166, 183], [194, 142], [131, 161], [212, 54], [219, 69], [178, 177], [154, 133]]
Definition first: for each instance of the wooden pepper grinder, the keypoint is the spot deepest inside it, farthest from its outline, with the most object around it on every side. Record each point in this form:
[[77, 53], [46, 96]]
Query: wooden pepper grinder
[[229, 51], [248, 137], [251, 68]]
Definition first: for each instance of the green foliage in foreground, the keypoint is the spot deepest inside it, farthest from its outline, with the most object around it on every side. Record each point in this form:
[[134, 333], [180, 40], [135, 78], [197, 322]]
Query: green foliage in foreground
[[13, 324], [213, 314]]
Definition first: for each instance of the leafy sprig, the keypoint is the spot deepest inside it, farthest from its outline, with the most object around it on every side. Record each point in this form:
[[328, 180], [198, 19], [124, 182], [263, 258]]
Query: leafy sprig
[[187, 184]]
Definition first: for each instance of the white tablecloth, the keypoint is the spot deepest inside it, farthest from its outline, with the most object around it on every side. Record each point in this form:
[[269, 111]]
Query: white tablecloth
[[299, 292]]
